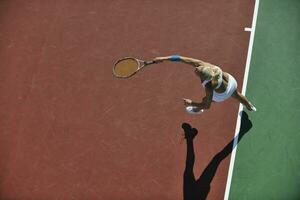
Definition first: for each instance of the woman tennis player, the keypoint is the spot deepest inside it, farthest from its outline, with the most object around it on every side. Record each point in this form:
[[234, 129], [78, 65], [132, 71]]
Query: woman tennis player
[[218, 85]]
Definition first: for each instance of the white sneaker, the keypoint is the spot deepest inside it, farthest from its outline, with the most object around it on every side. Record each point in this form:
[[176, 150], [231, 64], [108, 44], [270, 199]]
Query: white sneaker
[[253, 109], [191, 110]]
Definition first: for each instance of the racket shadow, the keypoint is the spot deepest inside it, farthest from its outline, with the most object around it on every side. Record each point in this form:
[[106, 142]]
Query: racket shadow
[[199, 188]]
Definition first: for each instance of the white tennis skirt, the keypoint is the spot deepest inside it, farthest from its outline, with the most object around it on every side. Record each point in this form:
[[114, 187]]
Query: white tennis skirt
[[232, 85]]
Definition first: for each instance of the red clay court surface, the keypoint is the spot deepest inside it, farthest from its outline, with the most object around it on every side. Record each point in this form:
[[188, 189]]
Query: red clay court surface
[[70, 130]]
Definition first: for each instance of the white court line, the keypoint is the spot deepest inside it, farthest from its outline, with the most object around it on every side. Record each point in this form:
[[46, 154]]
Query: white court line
[[248, 29], [238, 122]]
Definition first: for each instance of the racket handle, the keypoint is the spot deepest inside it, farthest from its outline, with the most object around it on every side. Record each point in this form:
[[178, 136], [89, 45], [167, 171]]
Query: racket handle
[[151, 62]]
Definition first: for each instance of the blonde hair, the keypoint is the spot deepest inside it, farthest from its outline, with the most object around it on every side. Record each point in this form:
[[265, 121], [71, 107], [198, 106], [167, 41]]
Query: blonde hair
[[209, 73]]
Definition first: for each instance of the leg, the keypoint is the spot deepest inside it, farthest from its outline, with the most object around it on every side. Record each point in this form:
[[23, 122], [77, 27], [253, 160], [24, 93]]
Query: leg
[[243, 100]]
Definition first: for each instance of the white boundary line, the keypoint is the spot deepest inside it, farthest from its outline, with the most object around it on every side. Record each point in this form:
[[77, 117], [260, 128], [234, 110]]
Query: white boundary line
[[238, 122], [248, 29]]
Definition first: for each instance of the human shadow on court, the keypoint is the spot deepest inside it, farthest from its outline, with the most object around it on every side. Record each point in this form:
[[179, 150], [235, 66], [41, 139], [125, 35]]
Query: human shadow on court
[[198, 189]]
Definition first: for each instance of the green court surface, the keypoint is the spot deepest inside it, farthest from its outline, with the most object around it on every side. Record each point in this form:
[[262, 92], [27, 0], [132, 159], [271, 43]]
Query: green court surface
[[267, 163]]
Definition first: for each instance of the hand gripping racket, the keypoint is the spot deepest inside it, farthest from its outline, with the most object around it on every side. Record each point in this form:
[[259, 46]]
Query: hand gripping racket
[[127, 67]]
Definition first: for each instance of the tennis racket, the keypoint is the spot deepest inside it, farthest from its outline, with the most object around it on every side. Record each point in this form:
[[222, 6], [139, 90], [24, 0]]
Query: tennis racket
[[127, 67]]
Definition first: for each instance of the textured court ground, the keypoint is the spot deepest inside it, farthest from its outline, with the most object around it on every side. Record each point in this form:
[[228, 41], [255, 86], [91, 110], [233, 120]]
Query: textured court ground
[[70, 130]]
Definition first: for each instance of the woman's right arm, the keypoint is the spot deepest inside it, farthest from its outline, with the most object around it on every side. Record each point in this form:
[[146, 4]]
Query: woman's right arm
[[192, 61]]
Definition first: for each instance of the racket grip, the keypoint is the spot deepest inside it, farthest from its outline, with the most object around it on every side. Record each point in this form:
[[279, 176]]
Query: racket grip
[[152, 62]]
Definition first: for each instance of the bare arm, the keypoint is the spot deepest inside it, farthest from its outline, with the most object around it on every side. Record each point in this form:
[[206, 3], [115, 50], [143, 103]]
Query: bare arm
[[191, 61]]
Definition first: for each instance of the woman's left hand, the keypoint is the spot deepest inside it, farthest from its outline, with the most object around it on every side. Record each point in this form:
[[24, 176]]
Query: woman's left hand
[[187, 102]]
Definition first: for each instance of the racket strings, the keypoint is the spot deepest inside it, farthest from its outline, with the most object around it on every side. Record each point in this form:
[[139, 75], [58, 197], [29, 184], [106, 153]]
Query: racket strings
[[126, 67]]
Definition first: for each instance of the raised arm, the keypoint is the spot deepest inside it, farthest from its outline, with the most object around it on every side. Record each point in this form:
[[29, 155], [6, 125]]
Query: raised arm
[[177, 58]]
